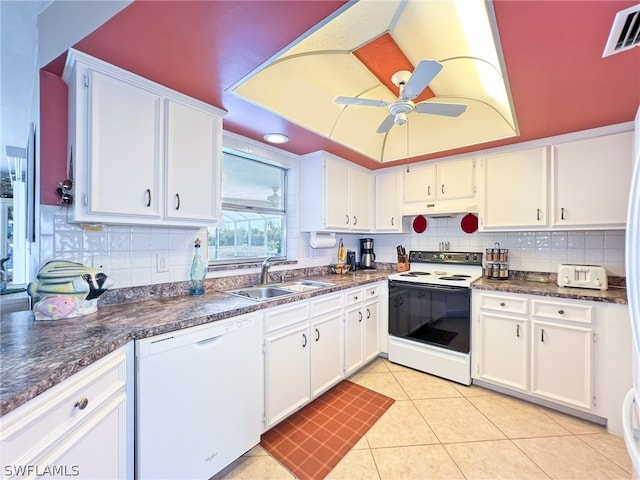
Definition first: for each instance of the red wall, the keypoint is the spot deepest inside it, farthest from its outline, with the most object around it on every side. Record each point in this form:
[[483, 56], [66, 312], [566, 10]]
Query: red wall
[[53, 136]]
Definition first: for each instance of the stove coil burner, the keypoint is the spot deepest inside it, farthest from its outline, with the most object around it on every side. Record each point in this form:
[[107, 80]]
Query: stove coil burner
[[456, 277]]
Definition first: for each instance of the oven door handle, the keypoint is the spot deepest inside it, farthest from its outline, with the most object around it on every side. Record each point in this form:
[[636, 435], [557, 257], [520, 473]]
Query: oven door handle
[[430, 286]]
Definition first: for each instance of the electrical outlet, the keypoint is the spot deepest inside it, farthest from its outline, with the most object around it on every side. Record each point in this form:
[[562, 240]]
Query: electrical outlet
[[162, 262]]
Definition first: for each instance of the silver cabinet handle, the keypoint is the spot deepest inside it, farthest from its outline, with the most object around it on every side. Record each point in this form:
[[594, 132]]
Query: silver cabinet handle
[[368, 313], [542, 334], [442, 189], [561, 312], [347, 222], [562, 213], [538, 214], [429, 191], [304, 340], [518, 331], [392, 221], [355, 220], [317, 334], [148, 194], [82, 403], [502, 304], [177, 201], [360, 314]]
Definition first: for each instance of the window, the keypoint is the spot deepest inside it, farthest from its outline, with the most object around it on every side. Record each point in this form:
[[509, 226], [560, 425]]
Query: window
[[253, 211]]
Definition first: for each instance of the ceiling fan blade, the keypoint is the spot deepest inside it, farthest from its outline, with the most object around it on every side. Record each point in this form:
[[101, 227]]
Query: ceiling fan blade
[[425, 71], [386, 124], [360, 101], [435, 108]]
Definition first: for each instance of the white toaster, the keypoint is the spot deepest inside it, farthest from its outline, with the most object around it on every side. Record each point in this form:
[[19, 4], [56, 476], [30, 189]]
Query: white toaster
[[582, 276]]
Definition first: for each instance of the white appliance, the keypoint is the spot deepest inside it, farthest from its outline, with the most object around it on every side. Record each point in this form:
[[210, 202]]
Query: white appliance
[[582, 276], [430, 313], [630, 408], [198, 397]]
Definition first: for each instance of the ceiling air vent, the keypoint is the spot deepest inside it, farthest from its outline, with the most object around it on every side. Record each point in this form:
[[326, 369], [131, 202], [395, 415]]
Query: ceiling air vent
[[625, 32]]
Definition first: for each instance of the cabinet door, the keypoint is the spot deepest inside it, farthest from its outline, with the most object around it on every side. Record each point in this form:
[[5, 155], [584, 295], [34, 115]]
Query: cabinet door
[[371, 330], [503, 350], [287, 372], [354, 345], [562, 363], [387, 203], [360, 200], [124, 149], [192, 163], [98, 448], [514, 190], [592, 180], [420, 183], [337, 194], [327, 347], [455, 179]]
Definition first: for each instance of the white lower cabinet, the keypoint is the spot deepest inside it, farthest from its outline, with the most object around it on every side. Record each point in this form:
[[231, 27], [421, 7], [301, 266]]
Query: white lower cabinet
[[82, 427], [361, 327], [286, 348], [542, 347], [327, 343]]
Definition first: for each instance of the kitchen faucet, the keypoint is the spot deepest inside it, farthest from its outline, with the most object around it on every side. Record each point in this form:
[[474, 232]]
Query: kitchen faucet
[[264, 273]]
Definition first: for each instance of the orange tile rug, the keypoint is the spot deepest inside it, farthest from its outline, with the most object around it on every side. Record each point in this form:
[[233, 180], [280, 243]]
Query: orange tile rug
[[313, 440]]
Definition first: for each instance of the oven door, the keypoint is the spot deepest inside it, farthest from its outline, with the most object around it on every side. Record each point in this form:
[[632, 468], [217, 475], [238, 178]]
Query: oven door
[[437, 315]]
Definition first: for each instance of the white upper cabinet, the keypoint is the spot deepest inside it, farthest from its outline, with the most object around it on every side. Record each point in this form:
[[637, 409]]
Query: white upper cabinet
[[513, 190], [192, 163], [591, 180], [387, 193], [335, 195], [427, 187], [140, 153]]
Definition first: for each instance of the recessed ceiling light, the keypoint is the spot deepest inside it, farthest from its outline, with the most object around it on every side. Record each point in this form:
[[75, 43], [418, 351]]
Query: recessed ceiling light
[[276, 138]]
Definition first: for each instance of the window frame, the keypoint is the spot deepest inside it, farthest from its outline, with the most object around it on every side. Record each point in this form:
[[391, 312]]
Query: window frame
[[231, 207]]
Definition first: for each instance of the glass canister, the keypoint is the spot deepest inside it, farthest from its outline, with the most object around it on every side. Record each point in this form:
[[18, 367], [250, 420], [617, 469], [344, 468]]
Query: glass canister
[[198, 271]]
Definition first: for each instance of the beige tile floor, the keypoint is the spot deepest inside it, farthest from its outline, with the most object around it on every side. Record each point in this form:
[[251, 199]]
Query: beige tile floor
[[438, 429]]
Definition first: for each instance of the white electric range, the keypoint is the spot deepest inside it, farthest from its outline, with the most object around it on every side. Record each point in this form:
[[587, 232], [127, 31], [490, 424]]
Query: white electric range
[[430, 313]]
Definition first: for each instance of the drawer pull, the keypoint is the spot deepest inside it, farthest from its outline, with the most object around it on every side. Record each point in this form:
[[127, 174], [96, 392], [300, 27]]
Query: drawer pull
[[561, 312], [502, 304], [82, 404]]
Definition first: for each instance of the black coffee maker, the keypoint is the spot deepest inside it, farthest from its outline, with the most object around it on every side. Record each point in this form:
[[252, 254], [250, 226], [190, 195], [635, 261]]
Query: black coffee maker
[[367, 256]]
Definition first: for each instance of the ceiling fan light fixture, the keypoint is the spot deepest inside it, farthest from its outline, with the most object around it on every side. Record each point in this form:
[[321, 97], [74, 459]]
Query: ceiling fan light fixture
[[401, 118], [276, 138]]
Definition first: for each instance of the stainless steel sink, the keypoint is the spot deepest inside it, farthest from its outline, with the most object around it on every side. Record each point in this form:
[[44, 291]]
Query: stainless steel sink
[[260, 292], [267, 292]]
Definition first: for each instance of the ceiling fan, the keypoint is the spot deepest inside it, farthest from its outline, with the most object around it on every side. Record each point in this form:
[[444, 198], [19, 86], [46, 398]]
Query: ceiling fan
[[410, 85]]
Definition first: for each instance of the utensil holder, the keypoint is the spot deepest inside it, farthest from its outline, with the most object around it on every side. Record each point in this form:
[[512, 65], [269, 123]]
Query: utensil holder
[[403, 263]]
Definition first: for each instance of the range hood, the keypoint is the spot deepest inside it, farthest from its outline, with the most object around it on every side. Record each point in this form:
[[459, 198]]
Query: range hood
[[442, 208]]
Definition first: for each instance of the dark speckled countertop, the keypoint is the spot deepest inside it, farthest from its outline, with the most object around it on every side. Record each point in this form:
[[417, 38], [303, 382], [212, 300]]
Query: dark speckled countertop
[[36, 355], [551, 289]]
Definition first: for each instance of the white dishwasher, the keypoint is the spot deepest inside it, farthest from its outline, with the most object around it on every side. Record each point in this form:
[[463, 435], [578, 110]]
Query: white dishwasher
[[198, 398]]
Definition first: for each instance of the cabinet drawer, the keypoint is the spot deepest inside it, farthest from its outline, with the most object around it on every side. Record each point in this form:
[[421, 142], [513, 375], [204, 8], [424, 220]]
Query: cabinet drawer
[[48, 417], [372, 291], [561, 311], [284, 316], [325, 304], [504, 304], [354, 296]]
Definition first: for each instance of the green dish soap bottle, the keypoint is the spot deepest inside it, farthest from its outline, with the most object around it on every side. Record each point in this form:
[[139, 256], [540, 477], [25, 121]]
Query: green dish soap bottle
[[198, 271]]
